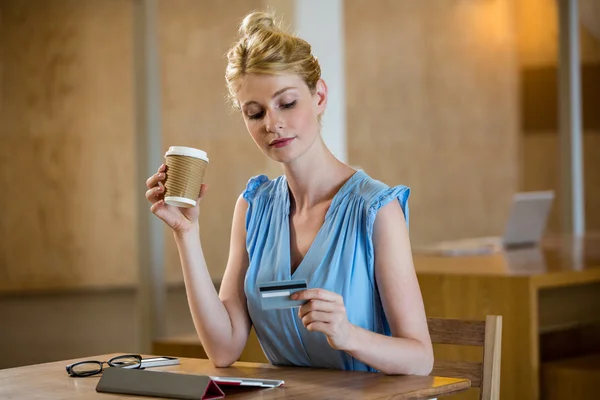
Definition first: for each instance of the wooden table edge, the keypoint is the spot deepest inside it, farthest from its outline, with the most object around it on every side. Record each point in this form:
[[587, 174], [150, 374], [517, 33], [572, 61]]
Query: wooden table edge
[[461, 385]]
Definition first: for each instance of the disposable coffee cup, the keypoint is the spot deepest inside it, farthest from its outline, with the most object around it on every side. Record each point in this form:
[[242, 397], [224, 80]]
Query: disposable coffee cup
[[185, 173]]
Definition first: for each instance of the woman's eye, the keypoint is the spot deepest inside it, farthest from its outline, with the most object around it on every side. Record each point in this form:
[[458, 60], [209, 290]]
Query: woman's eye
[[256, 116], [261, 114], [289, 105]]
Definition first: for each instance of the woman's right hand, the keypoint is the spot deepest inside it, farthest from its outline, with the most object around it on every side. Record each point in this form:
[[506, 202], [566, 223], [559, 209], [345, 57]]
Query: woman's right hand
[[178, 219]]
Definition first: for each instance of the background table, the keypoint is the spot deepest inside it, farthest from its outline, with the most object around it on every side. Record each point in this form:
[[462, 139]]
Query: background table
[[548, 296]]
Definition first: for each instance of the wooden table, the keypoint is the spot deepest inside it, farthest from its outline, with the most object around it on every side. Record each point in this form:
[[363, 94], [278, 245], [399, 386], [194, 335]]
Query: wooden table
[[549, 298], [50, 381], [542, 293]]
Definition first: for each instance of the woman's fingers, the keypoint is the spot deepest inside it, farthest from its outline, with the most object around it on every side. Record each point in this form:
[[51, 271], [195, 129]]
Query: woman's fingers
[[317, 316], [155, 179], [317, 305], [156, 193], [160, 209], [203, 190], [155, 185]]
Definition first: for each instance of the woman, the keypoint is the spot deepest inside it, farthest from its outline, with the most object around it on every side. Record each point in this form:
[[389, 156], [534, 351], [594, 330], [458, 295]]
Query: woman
[[321, 221]]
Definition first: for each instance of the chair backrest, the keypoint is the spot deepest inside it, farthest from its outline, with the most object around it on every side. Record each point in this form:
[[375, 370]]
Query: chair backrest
[[486, 334]]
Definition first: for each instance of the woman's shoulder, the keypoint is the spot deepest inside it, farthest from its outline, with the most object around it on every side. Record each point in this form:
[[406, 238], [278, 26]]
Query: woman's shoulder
[[261, 185], [372, 190], [374, 194]]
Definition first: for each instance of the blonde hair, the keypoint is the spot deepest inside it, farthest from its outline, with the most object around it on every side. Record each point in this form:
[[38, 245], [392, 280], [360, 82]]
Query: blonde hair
[[266, 48]]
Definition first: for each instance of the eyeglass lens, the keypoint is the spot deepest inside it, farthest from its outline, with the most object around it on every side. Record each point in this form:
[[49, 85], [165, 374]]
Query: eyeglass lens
[[125, 362], [87, 368]]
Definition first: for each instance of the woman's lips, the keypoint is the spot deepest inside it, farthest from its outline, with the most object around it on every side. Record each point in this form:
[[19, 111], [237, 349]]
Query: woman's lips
[[281, 142]]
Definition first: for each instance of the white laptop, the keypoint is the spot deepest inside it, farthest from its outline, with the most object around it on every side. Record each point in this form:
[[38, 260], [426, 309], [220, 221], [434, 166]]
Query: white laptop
[[525, 226]]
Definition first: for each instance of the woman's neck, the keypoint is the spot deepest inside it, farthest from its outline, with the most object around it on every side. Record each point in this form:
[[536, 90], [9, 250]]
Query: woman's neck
[[316, 176]]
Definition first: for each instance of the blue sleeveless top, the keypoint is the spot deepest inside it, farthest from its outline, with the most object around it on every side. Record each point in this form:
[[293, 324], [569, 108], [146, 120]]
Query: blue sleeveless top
[[339, 260]]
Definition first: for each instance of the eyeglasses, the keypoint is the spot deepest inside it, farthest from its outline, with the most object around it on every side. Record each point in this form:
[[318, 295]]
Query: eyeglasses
[[93, 367]]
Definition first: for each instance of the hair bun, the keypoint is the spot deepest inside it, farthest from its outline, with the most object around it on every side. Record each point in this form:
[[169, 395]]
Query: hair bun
[[255, 22]]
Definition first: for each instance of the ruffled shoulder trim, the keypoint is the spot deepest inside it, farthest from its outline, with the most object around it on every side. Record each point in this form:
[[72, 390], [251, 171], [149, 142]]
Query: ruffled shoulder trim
[[383, 197], [253, 185], [401, 193]]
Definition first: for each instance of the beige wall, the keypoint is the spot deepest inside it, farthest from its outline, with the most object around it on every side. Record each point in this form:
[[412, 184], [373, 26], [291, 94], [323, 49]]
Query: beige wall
[[67, 112], [432, 103], [66, 106], [537, 30], [67, 159], [194, 38]]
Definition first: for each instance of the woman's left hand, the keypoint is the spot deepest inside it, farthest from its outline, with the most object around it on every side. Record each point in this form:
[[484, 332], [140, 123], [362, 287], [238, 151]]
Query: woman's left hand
[[325, 312]]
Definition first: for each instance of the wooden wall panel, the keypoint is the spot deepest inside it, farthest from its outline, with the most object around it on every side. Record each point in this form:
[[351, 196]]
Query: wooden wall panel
[[540, 101], [541, 163], [194, 38], [432, 97], [66, 165]]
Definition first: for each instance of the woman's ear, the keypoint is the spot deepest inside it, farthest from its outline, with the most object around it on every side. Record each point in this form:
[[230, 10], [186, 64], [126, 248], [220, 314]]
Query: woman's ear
[[321, 96]]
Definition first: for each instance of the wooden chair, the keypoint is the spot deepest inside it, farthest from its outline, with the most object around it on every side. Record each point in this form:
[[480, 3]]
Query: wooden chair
[[487, 334]]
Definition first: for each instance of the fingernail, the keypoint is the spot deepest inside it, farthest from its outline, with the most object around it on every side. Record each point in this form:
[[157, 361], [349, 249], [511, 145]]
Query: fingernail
[[294, 296], [161, 175]]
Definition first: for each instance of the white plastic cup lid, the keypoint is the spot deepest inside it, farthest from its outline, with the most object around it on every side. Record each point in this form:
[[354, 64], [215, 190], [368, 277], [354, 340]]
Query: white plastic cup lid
[[186, 151]]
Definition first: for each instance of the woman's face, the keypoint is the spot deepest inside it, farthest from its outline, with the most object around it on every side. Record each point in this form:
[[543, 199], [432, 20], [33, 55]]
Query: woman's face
[[281, 114]]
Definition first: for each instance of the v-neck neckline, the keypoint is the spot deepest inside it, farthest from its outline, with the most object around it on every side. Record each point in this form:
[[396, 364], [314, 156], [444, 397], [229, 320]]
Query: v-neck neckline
[[332, 206]]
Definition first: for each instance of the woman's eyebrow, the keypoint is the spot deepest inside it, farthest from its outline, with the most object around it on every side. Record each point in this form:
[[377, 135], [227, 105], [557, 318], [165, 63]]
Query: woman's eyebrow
[[277, 93]]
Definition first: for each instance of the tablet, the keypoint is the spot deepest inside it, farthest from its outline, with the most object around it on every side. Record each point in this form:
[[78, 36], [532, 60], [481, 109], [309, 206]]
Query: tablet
[[257, 382]]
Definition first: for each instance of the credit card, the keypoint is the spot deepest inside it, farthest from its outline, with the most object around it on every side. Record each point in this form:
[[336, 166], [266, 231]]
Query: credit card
[[276, 295]]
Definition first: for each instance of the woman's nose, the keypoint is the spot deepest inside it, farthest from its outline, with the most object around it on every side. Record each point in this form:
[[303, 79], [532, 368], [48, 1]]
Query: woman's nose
[[273, 122]]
